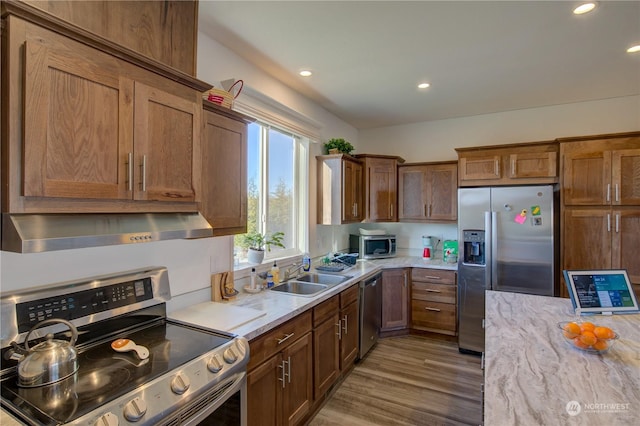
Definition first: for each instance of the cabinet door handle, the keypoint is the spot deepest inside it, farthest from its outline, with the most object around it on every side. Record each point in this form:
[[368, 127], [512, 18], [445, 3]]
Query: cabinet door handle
[[513, 167], [130, 171], [281, 378], [344, 324], [286, 336], [288, 369], [617, 193], [432, 290], [432, 309], [143, 173], [496, 167], [339, 333], [608, 192], [356, 209], [617, 223], [608, 222], [404, 274]]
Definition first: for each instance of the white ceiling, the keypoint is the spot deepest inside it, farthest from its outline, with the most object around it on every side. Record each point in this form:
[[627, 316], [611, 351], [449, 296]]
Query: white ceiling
[[480, 57]]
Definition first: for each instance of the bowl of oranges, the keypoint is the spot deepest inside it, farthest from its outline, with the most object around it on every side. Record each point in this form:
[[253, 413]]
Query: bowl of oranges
[[588, 336]]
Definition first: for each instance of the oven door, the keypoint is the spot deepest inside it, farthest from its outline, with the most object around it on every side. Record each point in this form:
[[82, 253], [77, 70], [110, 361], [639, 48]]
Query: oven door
[[224, 405]]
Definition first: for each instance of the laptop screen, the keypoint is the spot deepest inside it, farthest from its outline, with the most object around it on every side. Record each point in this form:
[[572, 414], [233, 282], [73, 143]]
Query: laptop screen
[[599, 291]]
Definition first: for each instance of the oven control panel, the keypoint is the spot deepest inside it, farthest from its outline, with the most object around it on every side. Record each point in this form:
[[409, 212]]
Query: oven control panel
[[82, 303]]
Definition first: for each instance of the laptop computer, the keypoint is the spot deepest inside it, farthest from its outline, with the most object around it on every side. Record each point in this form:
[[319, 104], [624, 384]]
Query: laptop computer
[[604, 291]]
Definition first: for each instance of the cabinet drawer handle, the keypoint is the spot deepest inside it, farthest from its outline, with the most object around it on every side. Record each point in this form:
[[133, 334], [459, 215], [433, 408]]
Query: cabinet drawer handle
[[432, 291], [432, 309], [432, 278], [286, 336]]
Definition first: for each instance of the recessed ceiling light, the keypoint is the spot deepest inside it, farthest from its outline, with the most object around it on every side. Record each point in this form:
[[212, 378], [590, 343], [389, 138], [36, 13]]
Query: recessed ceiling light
[[584, 8], [423, 85], [305, 73], [634, 49]]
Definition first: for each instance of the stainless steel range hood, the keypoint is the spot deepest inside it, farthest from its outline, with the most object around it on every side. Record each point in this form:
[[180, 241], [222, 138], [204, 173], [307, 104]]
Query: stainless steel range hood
[[34, 233]]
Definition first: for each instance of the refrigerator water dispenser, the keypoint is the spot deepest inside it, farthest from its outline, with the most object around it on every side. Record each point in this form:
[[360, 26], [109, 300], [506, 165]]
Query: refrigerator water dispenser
[[474, 247]]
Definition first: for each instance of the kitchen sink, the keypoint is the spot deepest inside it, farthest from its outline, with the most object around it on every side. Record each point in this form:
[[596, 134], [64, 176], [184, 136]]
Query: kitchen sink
[[310, 284], [322, 278], [300, 288]]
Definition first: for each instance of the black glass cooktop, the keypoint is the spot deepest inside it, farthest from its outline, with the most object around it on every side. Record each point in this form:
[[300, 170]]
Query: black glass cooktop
[[105, 374]]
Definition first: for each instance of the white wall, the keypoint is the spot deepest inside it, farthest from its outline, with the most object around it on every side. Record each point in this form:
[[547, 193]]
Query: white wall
[[436, 140]]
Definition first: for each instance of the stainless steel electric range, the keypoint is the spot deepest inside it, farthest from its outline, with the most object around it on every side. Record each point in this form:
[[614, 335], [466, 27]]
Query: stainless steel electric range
[[191, 375]]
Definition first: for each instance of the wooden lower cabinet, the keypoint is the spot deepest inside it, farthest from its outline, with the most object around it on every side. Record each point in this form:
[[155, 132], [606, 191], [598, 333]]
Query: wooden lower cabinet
[[349, 326], [326, 345], [395, 299], [434, 301], [280, 374]]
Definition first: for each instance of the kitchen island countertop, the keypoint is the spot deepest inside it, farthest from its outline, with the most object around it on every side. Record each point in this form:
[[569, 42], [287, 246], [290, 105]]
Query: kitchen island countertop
[[534, 377]]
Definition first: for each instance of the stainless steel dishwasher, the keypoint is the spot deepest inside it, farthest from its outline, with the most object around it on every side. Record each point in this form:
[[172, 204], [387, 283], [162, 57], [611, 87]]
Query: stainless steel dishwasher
[[370, 313]]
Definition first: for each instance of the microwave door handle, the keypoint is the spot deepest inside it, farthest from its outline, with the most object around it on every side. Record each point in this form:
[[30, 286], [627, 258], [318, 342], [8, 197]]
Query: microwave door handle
[[390, 246]]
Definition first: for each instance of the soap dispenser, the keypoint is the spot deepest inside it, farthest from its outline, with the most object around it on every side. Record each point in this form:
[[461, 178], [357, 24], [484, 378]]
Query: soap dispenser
[[275, 272]]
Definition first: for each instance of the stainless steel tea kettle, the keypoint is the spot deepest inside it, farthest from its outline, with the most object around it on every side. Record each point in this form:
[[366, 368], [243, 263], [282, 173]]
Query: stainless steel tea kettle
[[49, 361]]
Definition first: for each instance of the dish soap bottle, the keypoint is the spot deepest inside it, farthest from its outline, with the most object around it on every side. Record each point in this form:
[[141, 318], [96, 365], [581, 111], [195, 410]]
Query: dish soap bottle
[[269, 279], [275, 273], [253, 285], [306, 262]]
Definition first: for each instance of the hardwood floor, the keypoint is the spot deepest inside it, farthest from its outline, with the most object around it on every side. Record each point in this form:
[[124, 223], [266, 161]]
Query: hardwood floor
[[408, 380]]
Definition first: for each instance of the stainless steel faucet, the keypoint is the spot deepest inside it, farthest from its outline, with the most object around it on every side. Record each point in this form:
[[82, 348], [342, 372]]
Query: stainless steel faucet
[[291, 269]]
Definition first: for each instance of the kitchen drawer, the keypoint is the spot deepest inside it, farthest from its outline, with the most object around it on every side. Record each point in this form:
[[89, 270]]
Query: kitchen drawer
[[431, 292], [325, 310], [433, 275], [433, 316], [263, 347], [349, 296]]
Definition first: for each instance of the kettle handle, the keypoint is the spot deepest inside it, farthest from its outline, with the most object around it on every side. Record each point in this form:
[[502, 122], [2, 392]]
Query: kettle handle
[[74, 330]]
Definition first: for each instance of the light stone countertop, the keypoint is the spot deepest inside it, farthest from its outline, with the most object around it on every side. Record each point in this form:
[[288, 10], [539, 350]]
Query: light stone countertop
[[534, 377], [281, 307]]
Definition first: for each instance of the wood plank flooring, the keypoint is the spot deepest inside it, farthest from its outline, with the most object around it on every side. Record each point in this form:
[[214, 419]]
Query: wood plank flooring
[[408, 380]]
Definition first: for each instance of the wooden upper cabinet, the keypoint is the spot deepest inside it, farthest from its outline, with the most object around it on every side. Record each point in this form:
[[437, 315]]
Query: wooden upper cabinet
[[165, 31], [79, 111], [428, 192], [380, 187], [224, 170], [601, 170], [340, 188], [352, 206], [166, 145], [90, 132], [513, 164]]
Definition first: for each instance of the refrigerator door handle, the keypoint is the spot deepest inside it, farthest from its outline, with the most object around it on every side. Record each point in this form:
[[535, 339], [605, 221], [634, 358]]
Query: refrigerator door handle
[[494, 250], [488, 249]]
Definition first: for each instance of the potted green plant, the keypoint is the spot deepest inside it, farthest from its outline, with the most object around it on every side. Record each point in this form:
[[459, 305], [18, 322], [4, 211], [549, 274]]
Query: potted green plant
[[257, 242], [338, 145]]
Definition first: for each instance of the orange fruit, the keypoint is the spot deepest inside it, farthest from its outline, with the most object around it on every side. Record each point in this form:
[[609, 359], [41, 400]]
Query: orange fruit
[[578, 343], [601, 345], [604, 333], [571, 330], [588, 338], [587, 326]]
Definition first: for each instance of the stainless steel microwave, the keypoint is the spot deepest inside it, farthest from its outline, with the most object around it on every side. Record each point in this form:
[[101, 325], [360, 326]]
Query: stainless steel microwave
[[373, 246]]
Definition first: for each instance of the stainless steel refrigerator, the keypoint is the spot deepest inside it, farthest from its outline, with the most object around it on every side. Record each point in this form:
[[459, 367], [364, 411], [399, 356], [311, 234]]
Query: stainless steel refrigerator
[[506, 243]]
